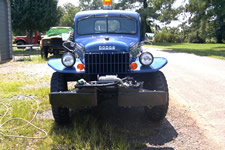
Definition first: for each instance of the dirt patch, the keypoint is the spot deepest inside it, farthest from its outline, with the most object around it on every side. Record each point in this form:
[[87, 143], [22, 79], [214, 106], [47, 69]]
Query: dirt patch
[[190, 135], [46, 115], [29, 69]]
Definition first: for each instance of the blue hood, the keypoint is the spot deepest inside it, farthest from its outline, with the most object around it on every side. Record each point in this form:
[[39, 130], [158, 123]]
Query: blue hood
[[109, 43]]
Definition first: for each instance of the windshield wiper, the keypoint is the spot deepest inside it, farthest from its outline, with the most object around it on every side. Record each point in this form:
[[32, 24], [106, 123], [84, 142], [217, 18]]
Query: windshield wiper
[[131, 18], [84, 18]]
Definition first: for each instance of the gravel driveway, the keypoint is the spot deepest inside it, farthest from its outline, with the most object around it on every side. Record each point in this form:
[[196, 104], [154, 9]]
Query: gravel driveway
[[198, 83], [183, 127]]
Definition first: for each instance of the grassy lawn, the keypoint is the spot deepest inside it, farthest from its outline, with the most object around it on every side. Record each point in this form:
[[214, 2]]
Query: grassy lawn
[[211, 50], [86, 132], [26, 52]]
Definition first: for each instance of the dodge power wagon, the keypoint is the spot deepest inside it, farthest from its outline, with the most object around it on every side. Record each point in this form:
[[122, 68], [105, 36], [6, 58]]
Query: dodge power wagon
[[105, 57]]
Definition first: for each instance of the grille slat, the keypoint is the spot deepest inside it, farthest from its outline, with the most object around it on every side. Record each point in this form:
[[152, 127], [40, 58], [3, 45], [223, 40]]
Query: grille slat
[[113, 63]]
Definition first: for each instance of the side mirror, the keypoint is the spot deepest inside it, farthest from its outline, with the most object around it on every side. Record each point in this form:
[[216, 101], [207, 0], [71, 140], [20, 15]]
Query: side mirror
[[149, 38]]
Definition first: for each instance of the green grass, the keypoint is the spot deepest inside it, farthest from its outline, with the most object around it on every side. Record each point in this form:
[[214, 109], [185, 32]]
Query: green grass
[[26, 52], [35, 60], [210, 50], [12, 88], [27, 55], [30, 59], [87, 131]]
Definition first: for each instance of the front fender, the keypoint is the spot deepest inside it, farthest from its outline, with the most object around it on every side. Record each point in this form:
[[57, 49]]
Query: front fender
[[158, 63], [57, 65]]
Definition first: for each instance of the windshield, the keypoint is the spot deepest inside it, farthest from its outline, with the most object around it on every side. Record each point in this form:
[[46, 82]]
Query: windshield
[[114, 25]]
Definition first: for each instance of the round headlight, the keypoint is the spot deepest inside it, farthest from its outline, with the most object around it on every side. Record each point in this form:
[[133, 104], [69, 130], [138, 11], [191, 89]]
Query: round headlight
[[146, 59], [68, 59]]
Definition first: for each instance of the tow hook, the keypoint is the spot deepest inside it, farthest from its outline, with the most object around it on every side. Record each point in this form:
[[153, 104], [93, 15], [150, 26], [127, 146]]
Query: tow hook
[[102, 81], [110, 79]]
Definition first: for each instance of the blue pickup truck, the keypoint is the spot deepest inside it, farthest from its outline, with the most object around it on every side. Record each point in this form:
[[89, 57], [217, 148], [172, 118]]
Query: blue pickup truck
[[104, 57]]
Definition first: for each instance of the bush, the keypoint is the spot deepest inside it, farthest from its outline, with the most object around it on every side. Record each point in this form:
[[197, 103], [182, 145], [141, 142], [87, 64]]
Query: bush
[[212, 40], [171, 36], [195, 38]]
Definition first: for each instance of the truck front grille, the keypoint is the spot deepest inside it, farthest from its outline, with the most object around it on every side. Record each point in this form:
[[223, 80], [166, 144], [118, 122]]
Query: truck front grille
[[56, 41], [113, 63]]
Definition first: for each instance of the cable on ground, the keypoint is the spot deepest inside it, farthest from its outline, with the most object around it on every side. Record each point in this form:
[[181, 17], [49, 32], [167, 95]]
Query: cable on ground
[[27, 122]]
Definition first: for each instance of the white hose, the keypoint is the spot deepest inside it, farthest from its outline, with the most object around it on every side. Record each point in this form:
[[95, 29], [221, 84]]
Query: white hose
[[27, 123]]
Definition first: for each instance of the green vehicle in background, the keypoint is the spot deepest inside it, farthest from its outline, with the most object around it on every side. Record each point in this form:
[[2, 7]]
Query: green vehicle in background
[[51, 43]]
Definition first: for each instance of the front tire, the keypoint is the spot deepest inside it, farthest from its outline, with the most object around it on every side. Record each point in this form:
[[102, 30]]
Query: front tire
[[60, 114], [157, 82], [21, 43], [56, 52], [44, 52]]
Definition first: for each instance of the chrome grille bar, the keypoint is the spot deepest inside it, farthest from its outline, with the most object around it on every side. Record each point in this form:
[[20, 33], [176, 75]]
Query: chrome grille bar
[[110, 63]]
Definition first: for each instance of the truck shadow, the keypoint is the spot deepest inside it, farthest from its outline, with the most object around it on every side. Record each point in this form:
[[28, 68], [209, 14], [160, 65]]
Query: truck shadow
[[127, 123], [134, 123]]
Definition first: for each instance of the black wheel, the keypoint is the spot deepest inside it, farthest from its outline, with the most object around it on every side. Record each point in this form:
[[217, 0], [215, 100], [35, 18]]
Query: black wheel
[[157, 81], [21, 43], [60, 114], [44, 52]]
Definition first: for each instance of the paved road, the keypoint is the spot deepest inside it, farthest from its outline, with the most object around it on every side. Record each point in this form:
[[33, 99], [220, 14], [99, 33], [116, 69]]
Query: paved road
[[199, 83]]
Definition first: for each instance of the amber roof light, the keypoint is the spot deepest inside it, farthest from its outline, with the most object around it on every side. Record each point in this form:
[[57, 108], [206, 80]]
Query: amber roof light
[[107, 2]]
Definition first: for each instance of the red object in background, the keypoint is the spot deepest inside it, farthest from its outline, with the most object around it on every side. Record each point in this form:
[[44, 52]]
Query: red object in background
[[21, 40]]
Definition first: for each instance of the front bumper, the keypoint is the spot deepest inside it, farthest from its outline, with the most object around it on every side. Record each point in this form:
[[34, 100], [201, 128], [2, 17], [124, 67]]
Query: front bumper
[[126, 97]]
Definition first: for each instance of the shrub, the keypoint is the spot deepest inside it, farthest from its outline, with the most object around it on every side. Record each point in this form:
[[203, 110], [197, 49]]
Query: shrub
[[170, 36]]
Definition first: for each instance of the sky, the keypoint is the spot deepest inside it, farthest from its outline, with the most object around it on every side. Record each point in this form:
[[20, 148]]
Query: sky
[[74, 2]]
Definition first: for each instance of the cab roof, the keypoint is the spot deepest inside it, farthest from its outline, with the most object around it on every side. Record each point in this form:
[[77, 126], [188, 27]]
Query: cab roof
[[84, 14]]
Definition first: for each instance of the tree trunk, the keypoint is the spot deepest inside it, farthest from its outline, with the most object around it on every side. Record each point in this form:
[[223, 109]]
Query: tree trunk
[[30, 36], [144, 20], [220, 29], [219, 38]]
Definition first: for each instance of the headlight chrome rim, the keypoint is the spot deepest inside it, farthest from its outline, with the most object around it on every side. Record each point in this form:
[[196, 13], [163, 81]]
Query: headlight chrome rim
[[146, 54], [68, 59]]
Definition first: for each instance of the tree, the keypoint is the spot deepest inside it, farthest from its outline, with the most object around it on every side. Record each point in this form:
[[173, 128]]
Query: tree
[[69, 11], [151, 10], [207, 15], [91, 4], [34, 15]]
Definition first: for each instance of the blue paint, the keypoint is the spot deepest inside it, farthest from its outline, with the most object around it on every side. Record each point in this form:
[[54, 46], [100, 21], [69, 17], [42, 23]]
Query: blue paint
[[157, 64], [56, 64], [122, 43]]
